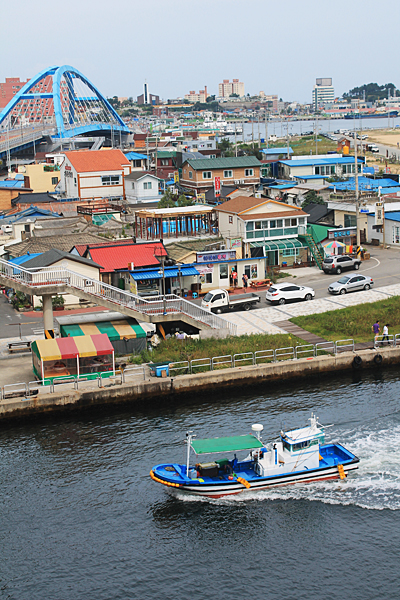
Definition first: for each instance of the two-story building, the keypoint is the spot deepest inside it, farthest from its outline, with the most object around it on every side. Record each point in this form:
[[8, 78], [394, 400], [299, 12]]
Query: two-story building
[[264, 227], [200, 174], [142, 187], [94, 174]]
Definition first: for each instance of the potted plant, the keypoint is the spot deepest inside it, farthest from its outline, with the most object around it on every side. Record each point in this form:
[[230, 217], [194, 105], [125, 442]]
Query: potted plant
[[58, 302]]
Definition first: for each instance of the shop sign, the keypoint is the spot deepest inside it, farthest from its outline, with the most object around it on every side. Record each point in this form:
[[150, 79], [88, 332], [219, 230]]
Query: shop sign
[[342, 233], [203, 269], [213, 256], [236, 243]]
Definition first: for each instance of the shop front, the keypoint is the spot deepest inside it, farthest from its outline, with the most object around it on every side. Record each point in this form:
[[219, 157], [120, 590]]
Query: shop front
[[282, 253], [179, 280]]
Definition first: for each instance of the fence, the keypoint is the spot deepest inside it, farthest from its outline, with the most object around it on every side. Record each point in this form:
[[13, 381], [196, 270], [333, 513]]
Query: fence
[[185, 367]]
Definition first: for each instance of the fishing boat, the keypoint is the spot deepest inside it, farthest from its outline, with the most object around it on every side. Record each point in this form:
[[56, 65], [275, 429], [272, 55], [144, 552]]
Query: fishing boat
[[297, 456]]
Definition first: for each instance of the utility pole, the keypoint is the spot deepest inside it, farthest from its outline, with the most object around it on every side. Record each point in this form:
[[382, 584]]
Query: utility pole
[[316, 135], [356, 182], [266, 130], [235, 141]]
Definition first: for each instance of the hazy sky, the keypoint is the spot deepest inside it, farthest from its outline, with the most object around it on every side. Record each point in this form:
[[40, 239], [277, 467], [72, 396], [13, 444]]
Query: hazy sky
[[279, 47]]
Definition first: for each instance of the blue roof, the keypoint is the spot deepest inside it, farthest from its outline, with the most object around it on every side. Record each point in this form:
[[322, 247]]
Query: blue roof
[[135, 156], [334, 160], [20, 260], [369, 170], [392, 216], [283, 186], [12, 183], [365, 183], [169, 272], [31, 211], [311, 176], [274, 151]]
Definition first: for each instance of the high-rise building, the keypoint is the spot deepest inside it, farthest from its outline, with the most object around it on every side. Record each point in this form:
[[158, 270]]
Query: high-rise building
[[225, 89], [323, 92], [200, 97]]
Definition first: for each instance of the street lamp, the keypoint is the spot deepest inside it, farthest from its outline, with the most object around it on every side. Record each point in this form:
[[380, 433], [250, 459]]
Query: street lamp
[[159, 253]]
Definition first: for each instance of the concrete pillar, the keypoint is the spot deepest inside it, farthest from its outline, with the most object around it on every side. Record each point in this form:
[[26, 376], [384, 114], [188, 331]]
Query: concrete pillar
[[48, 320]]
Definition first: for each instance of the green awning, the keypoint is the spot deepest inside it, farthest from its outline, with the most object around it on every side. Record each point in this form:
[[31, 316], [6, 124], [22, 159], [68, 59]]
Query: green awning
[[226, 444], [284, 244]]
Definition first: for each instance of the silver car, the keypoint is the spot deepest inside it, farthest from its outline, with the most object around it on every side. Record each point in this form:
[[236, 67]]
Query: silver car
[[351, 283]]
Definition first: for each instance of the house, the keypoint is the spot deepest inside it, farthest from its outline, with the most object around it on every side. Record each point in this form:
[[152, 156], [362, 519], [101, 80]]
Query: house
[[255, 226], [319, 214], [321, 165], [63, 242], [274, 154], [10, 189], [57, 259], [42, 177], [142, 186], [117, 258], [200, 175], [94, 174], [138, 161]]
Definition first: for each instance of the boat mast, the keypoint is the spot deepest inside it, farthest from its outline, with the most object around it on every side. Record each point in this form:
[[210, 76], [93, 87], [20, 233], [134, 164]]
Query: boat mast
[[189, 438]]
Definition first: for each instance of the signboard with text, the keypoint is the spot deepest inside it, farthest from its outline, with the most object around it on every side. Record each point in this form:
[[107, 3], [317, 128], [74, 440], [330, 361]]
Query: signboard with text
[[217, 186], [216, 255], [334, 234]]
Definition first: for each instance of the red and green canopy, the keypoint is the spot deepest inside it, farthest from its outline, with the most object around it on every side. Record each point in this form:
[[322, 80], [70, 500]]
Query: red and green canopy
[[71, 347]]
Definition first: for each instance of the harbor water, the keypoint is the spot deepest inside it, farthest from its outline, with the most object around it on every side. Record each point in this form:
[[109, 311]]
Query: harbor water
[[81, 518]]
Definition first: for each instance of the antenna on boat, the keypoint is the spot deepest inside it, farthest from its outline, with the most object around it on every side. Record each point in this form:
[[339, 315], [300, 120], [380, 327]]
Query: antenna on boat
[[189, 437]]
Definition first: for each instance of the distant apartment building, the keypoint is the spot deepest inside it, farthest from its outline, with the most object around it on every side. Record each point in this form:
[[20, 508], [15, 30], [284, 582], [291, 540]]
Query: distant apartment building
[[38, 109], [271, 99], [323, 92], [200, 97], [225, 89]]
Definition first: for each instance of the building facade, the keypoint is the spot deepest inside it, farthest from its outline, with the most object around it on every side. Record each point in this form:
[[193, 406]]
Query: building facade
[[200, 174], [226, 88], [323, 92], [200, 97]]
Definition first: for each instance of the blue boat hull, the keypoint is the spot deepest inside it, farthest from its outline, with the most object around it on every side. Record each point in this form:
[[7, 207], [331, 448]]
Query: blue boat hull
[[333, 457]]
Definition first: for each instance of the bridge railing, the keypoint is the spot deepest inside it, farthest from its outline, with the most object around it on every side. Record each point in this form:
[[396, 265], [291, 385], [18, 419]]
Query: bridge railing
[[157, 305]]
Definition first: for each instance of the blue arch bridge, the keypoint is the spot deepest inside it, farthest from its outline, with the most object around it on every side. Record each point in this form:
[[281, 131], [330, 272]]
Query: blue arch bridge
[[56, 106]]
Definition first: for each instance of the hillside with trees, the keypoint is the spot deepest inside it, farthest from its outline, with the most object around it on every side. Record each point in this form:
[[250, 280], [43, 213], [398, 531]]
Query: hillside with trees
[[373, 92]]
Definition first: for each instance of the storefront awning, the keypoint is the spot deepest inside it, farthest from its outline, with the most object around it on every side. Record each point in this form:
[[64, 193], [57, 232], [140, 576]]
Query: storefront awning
[[69, 347], [284, 244], [157, 274], [115, 330]]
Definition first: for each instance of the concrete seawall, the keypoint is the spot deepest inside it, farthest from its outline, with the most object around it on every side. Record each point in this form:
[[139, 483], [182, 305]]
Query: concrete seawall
[[159, 388]]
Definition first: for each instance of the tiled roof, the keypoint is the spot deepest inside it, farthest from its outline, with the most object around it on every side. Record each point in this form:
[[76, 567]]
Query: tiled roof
[[238, 204], [178, 250], [135, 175], [224, 163], [86, 161], [61, 242], [117, 257], [274, 215]]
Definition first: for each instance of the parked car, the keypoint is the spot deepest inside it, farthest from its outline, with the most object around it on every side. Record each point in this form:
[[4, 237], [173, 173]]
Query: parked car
[[337, 264], [281, 293], [351, 283]]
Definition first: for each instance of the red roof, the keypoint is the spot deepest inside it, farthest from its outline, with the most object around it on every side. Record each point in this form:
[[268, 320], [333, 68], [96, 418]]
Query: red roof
[[82, 248], [86, 161], [117, 257]]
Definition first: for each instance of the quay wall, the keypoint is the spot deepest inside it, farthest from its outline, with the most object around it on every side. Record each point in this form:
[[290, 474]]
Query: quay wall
[[164, 388]]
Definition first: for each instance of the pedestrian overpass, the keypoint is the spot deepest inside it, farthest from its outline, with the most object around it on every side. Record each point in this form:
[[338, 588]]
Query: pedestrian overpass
[[48, 282]]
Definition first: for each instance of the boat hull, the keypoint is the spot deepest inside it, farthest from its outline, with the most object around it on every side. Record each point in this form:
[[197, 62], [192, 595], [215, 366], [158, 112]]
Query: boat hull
[[228, 488]]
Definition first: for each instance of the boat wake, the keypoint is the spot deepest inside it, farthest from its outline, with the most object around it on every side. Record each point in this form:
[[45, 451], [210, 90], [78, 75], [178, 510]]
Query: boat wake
[[374, 486]]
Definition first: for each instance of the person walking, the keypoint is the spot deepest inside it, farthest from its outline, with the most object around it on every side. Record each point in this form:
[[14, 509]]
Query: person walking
[[385, 332], [235, 278], [244, 279], [376, 329]]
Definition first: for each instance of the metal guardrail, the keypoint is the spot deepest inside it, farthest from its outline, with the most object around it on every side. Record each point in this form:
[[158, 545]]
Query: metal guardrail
[[186, 367], [389, 340], [47, 276]]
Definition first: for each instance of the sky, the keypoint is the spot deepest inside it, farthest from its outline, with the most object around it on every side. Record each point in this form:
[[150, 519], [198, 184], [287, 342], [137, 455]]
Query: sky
[[279, 47]]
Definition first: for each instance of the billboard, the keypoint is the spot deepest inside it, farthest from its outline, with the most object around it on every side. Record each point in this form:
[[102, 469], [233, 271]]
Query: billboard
[[217, 186]]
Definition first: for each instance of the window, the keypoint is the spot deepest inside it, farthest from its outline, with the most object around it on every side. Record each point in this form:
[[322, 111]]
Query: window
[[350, 220], [209, 145], [223, 271], [272, 224], [110, 180], [279, 223], [147, 185], [250, 226], [301, 221], [54, 180], [164, 162], [258, 224], [230, 219], [190, 174], [207, 174], [248, 172], [289, 252], [206, 278], [293, 222], [228, 174]]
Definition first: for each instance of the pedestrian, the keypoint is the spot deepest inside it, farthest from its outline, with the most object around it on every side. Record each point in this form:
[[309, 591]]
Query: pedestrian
[[235, 278], [376, 329], [244, 279], [385, 333]]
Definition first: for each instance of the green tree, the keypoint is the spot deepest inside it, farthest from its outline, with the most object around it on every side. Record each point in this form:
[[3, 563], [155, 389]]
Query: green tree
[[115, 103], [167, 200], [210, 98], [312, 198], [185, 201], [234, 95], [372, 91]]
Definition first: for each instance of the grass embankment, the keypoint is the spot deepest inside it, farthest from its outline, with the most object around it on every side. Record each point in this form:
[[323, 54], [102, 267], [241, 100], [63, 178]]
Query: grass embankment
[[189, 349], [353, 322], [305, 144]]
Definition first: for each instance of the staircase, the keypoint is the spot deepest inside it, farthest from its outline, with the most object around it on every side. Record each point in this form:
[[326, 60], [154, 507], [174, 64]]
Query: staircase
[[50, 281], [315, 248]]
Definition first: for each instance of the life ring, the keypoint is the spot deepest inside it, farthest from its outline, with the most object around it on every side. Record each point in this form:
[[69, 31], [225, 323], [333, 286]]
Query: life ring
[[378, 359], [357, 362]]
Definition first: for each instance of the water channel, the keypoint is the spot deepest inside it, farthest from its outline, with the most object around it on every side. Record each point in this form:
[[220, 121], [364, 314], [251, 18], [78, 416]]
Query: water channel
[[81, 518]]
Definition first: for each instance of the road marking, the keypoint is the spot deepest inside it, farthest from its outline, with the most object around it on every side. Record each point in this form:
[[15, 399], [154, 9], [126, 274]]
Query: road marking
[[372, 258]]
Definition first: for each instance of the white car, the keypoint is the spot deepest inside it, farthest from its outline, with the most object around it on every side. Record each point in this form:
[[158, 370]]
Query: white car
[[281, 293]]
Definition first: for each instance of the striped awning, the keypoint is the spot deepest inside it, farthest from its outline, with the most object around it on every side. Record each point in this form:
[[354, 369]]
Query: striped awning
[[71, 347], [115, 330], [284, 244], [169, 272]]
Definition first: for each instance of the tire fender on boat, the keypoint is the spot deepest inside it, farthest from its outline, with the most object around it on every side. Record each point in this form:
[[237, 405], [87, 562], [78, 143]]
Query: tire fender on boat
[[357, 362], [378, 359]]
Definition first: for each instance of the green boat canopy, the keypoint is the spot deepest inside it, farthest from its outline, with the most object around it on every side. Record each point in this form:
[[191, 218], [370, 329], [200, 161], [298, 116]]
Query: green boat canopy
[[226, 444]]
